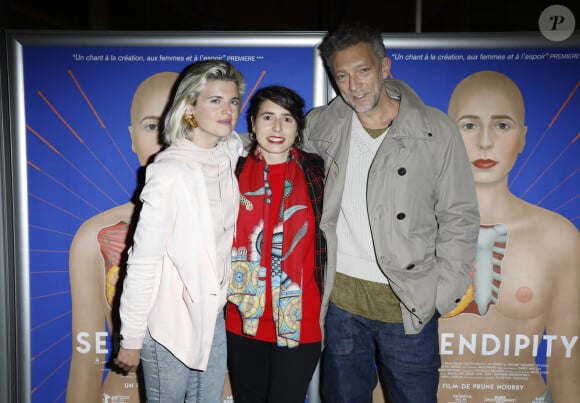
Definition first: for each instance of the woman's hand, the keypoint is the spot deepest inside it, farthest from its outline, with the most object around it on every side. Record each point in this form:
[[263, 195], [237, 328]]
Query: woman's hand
[[128, 360]]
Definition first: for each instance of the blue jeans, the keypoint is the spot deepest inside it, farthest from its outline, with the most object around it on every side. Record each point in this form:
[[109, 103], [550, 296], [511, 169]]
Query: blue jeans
[[408, 364], [168, 380]]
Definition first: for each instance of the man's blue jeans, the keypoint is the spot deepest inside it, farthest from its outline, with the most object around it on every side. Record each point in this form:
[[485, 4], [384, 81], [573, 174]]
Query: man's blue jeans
[[408, 364], [168, 380]]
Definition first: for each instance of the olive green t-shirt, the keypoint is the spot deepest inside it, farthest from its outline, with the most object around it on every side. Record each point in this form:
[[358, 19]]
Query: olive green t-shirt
[[375, 301]]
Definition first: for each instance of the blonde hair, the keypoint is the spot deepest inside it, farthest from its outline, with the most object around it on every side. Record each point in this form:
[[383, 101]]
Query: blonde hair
[[192, 82]]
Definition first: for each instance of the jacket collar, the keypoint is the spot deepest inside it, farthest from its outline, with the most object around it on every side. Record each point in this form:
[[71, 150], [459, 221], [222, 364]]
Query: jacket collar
[[334, 125]]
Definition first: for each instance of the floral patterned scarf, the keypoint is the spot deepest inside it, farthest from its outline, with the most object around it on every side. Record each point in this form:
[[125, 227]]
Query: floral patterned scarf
[[247, 288]]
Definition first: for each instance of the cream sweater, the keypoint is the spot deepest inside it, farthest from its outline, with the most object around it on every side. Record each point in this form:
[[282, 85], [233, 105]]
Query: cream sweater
[[356, 253]]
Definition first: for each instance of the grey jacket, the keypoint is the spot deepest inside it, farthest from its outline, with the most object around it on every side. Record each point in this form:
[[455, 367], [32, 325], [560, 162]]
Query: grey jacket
[[421, 200]]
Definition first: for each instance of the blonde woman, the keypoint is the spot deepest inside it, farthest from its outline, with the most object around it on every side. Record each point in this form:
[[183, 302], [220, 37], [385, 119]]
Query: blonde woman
[[179, 266]]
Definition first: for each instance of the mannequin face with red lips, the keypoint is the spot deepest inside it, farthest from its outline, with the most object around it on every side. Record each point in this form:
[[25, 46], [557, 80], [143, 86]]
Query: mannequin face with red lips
[[275, 130], [489, 111]]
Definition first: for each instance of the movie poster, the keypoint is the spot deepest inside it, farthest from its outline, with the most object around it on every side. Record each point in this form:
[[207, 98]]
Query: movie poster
[[91, 117], [514, 337]]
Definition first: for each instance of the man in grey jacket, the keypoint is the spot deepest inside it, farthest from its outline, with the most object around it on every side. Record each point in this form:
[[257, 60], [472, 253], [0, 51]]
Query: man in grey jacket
[[401, 220]]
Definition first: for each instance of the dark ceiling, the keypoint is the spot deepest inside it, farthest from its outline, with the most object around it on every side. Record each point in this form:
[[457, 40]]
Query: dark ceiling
[[272, 15]]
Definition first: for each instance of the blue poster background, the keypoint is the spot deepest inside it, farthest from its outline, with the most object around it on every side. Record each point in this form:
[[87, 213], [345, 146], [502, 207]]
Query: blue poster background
[[546, 172], [80, 163]]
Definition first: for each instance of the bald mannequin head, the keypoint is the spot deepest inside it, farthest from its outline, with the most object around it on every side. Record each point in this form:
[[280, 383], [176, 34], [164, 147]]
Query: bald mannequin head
[[147, 107], [485, 82], [489, 109]]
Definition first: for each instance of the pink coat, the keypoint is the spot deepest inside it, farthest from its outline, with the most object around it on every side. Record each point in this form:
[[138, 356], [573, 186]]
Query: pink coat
[[173, 285]]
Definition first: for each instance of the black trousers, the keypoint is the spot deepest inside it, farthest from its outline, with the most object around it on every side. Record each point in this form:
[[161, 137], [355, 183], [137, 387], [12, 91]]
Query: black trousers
[[262, 372]]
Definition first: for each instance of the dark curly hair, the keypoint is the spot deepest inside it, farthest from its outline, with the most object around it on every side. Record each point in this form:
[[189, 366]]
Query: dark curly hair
[[347, 35]]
